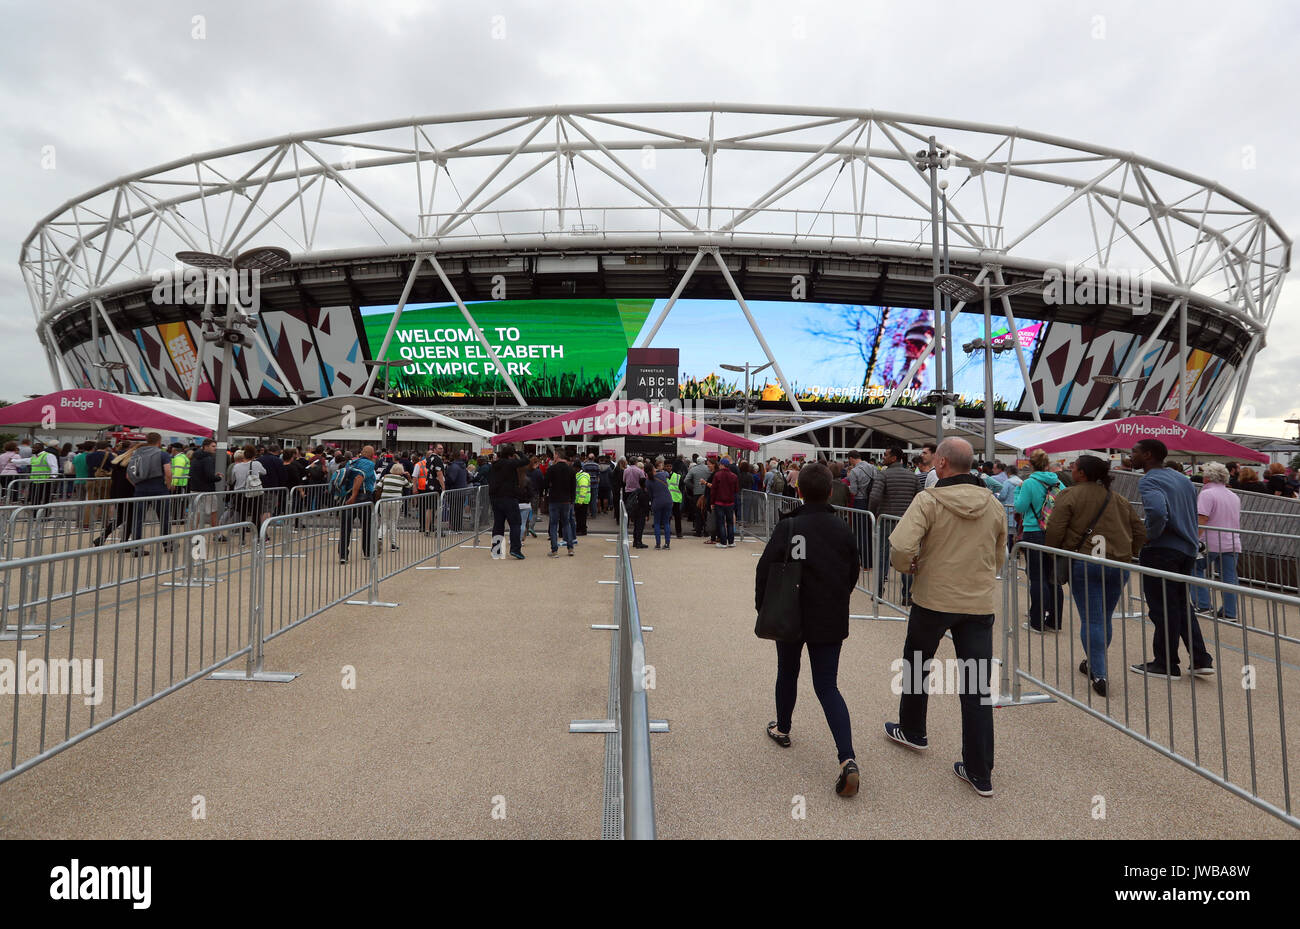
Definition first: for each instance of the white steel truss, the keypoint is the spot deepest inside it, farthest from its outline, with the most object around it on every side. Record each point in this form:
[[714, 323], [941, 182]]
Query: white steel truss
[[661, 175]]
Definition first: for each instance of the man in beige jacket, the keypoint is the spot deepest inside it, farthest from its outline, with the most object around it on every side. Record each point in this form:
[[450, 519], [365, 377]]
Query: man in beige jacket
[[953, 540]]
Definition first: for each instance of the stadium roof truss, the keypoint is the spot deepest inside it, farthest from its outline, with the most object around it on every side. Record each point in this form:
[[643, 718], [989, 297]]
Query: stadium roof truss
[[706, 179]]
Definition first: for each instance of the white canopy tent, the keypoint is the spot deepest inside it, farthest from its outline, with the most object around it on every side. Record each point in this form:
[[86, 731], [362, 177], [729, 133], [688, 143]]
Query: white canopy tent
[[908, 426], [328, 416]]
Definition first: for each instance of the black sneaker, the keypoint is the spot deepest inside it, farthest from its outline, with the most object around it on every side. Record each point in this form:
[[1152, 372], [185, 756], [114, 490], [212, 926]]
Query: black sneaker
[[847, 784], [1151, 669], [1099, 686], [894, 732], [1205, 670], [983, 787]]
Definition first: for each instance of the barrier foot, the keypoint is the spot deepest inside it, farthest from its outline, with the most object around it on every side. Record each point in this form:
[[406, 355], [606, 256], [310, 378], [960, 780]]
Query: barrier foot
[[438, 567], [371, 603], [637, 583], [612, 626], [42, 627], [187, 583], [608, 726], [12, 636], [1025, 700], [269, 677]]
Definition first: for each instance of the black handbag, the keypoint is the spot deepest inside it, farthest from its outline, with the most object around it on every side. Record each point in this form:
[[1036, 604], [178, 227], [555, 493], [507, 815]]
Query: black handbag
[[780, 618]]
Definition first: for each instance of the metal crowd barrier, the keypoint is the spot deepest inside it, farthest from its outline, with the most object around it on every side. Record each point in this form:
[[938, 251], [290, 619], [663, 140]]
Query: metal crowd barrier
[[53, 489], [119, 640], [153, 610], [629, 775], [1229, 727]]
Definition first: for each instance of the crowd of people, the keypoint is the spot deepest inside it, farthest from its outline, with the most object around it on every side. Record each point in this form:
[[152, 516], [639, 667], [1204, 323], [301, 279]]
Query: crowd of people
[[956, 521]]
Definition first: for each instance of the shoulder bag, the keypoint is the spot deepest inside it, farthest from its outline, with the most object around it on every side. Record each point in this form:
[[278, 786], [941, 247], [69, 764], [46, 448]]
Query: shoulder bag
[[1063, 564], [781, 618]]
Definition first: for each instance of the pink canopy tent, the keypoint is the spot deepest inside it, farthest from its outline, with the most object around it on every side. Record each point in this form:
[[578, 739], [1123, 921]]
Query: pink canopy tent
[[1123, 433], [625, 418], [90, 410]]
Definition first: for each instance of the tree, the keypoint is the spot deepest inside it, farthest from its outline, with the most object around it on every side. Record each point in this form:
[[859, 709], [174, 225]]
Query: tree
[[858, 334]]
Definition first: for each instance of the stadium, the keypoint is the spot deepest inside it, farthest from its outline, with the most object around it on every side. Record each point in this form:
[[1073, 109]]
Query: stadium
[[511, 258]]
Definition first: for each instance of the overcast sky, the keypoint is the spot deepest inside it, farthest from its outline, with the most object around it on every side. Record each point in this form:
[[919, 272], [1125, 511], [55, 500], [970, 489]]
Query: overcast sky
[[117, 87]]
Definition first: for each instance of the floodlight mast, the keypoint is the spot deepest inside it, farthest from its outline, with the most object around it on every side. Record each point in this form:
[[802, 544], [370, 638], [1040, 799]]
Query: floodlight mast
[[748, 369], [230, 334]]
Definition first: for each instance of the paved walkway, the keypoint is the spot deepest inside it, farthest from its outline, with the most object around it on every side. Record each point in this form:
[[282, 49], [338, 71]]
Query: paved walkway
[[462, 701]]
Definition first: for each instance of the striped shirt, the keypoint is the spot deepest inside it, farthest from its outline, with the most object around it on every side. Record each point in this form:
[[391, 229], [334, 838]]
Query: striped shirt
[[392, 485]]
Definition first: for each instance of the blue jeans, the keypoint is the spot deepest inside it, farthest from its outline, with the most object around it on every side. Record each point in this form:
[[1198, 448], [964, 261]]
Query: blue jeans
[[725, 514], [1046, 598], [1096, 589], [1224, 565], [663, 514], [561, 518], [825, 660]]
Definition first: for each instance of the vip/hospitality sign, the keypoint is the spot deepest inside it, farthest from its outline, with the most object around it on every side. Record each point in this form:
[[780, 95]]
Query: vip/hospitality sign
[[1148, 431]]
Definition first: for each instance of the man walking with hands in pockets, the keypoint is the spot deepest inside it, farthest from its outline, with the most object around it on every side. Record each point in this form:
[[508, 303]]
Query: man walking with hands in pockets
[[952, 539]]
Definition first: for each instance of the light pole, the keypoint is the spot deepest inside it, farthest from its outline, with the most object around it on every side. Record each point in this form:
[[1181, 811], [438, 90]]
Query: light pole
[[1124, 409], [230, 332], [748, 369], [111, 366], [931, 159], [968, 291]]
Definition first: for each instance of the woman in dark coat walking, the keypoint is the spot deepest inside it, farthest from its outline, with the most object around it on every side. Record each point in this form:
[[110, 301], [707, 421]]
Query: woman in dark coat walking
[[815, 534]]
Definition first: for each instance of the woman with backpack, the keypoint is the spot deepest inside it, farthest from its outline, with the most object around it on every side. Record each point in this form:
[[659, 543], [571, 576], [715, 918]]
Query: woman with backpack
[[1034, 501], [661, 502], [246, 475], [120, 489]]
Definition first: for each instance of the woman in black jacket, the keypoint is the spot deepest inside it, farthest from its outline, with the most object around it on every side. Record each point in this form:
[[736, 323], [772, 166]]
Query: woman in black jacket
[[828, 551]]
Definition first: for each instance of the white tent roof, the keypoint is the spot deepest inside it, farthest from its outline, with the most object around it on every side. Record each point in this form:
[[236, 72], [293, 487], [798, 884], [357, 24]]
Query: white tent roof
[[327, 414], [906, 425], [1031, 435], [404, 434]]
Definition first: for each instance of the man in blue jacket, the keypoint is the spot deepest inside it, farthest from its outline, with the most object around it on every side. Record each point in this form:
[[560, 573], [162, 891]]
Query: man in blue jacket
[[1169, 501]]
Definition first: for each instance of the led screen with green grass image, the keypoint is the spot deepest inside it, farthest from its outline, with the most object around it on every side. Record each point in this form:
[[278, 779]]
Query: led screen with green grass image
[[550, 348]]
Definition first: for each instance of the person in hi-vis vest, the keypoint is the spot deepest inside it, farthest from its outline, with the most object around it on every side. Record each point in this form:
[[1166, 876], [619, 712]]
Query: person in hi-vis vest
[[44, 469], [582, 500], [675, 491], [180, 462]]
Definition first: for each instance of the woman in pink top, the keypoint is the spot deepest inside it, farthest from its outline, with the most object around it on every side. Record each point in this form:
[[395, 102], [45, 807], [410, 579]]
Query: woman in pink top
[[9, 459], [1219, 507]]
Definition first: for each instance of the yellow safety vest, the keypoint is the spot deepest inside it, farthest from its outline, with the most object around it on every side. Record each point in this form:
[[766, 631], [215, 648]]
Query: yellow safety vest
[[41, 469], [675, 487], [584, 488], [180, 470]]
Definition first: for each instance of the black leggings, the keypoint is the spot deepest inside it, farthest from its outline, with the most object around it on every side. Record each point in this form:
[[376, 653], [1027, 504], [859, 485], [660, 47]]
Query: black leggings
[[825, 660]]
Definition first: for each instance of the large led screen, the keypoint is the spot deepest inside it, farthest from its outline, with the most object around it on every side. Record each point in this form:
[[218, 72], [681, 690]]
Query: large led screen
[[549, 348]]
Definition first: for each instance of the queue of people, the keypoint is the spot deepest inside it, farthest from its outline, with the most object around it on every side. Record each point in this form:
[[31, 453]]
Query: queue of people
[[971, 515]]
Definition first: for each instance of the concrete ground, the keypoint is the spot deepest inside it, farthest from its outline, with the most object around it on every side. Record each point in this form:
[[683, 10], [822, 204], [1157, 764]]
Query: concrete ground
[[464, 692]]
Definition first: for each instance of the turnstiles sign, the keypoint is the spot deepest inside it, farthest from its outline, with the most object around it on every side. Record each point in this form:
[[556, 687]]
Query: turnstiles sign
[[652, 375]]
